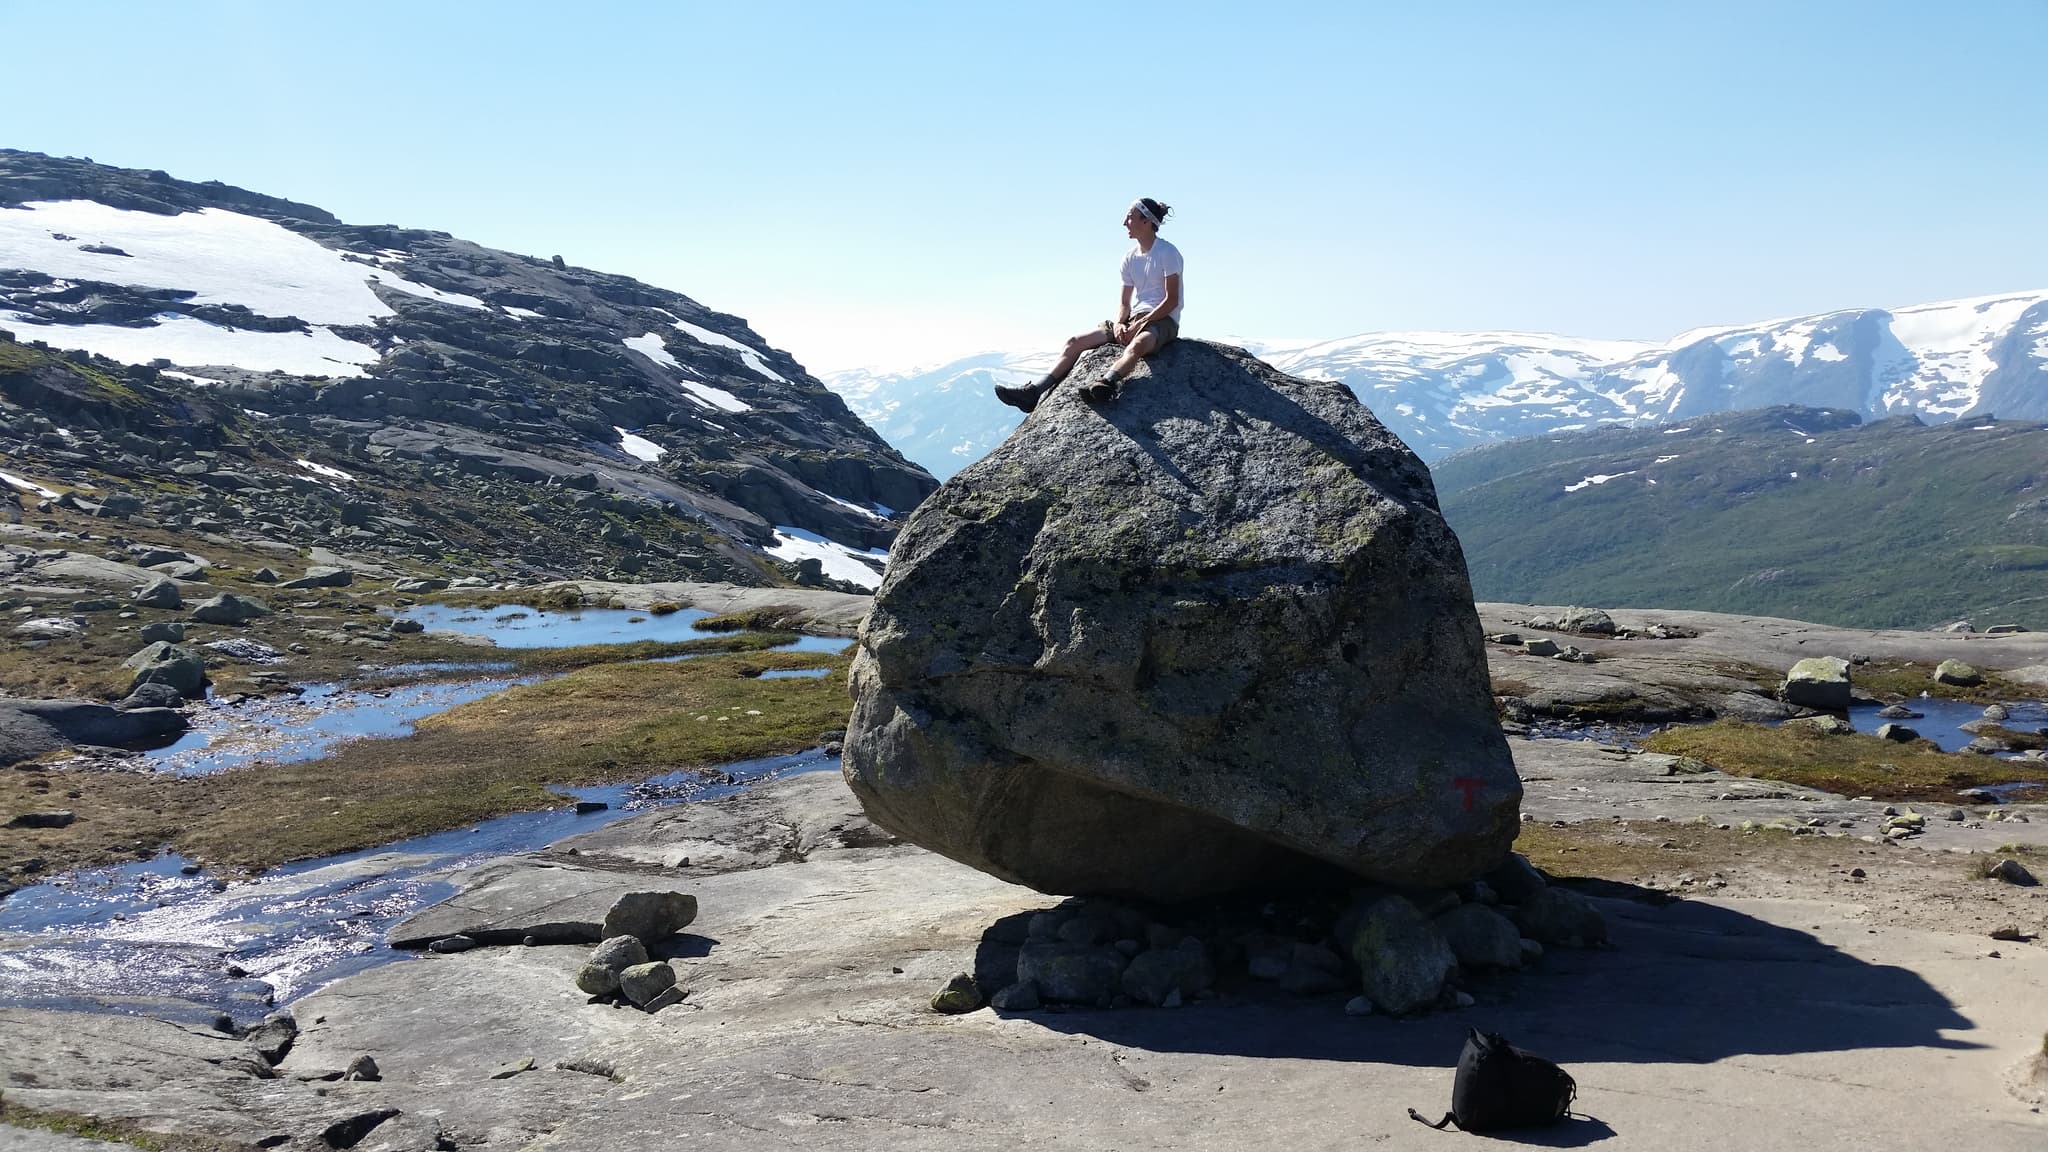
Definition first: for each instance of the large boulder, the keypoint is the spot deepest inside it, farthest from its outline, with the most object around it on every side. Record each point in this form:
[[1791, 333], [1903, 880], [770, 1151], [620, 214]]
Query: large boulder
[[1818, 682], [1958, 673], [170, 665], [323, 576], [228, 608], [161, 592], [1165, 647], [30, 728]]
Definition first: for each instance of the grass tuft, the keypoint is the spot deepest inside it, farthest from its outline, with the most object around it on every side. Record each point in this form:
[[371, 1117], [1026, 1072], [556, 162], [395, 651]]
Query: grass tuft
[[1851, 764], [88, 1128], [767, 618]]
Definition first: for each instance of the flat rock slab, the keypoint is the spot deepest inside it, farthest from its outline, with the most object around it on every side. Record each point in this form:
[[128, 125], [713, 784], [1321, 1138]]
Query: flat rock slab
[[1771, 1025], [1708, 674], [506, 901], [774, 821], [84, 568], [1578, 780]]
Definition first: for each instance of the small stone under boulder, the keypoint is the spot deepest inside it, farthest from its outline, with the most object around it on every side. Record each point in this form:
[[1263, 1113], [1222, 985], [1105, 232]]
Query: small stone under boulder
[[1402, 959], [1205, 638], [641, 983], [599, 975], [1561, 916]]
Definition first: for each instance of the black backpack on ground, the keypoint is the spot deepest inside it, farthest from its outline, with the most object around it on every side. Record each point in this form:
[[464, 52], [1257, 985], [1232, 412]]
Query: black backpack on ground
[[1499, 1086]]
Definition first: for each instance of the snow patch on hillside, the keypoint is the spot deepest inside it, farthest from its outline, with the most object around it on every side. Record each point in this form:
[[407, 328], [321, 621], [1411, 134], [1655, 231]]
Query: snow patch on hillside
[[651, 347], [839, 561], [324, 470], [1592, 480], [865, 511], [750, 355], [195, 343], [222, 257], [16, 482], [638, 446]]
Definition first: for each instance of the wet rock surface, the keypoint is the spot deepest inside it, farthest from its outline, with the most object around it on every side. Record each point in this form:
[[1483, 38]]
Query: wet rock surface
[[1179, 644]]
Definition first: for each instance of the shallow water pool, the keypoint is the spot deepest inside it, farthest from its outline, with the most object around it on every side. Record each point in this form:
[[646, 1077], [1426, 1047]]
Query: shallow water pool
[[519, 627], [151, 939]]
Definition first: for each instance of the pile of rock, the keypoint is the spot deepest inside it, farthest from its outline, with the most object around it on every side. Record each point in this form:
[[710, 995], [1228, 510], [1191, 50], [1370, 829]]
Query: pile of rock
[[1577, 621], [1403, 953], [1545, 647], [637, 927]]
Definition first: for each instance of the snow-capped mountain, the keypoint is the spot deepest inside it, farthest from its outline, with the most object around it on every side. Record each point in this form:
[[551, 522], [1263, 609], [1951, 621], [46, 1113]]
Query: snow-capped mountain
[[477, 384], [1442, 391], [943, 418]]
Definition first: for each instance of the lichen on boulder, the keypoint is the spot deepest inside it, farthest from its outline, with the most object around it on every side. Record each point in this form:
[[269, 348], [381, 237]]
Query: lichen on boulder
[[1182, 644]]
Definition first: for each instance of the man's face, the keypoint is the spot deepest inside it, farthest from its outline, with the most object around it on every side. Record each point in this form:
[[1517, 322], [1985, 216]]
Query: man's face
[[1132, 222]]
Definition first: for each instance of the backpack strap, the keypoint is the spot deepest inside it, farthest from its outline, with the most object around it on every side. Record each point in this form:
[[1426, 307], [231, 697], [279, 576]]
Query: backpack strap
[[1449, 1118]]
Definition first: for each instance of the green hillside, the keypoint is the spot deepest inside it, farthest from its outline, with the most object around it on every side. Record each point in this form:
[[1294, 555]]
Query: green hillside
[[1794, 512]]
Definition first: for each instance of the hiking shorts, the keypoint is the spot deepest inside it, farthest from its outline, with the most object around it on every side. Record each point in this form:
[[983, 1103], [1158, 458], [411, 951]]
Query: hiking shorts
[[1165, 330]]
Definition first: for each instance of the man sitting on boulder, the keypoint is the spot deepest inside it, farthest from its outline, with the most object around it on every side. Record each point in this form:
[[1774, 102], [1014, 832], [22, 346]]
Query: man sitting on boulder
[[1148, 313]]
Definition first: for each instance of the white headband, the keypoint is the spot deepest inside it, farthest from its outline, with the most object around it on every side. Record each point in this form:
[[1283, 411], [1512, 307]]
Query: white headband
[[1138, 206]]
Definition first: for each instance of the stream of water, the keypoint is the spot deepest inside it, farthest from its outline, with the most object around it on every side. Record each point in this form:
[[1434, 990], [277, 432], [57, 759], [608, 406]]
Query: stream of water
[[162, 938]]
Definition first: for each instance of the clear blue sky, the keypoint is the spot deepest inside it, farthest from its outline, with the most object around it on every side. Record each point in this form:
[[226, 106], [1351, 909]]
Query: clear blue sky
[[891, 183]]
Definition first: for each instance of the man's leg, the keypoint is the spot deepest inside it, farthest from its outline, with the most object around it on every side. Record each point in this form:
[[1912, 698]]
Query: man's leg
[[1027, 396], [1146, 343], [1156, 335]]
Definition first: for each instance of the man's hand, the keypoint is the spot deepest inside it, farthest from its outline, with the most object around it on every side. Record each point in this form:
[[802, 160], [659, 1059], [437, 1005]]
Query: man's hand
[[1127, 332]]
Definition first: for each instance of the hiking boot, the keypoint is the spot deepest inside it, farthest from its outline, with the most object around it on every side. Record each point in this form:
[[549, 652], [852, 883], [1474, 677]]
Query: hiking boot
[[1102, 391], [1025, 396]]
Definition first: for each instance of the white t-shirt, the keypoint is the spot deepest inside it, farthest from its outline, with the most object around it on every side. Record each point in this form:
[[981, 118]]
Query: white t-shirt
[[1146, 273]]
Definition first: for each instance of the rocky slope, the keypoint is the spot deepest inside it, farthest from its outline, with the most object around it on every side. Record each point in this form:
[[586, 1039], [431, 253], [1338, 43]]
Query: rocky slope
[[200, 356], [1443, 391], [1802, 513]]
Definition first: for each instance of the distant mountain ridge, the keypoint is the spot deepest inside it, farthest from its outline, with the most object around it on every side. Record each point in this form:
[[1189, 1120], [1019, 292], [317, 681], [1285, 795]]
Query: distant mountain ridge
[[531, 418], [1804, 513], [1442, 392]]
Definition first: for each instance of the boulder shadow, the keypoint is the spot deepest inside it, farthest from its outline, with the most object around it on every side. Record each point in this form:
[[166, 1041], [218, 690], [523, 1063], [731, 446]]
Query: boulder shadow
[[683, 946], [1683, 983]]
